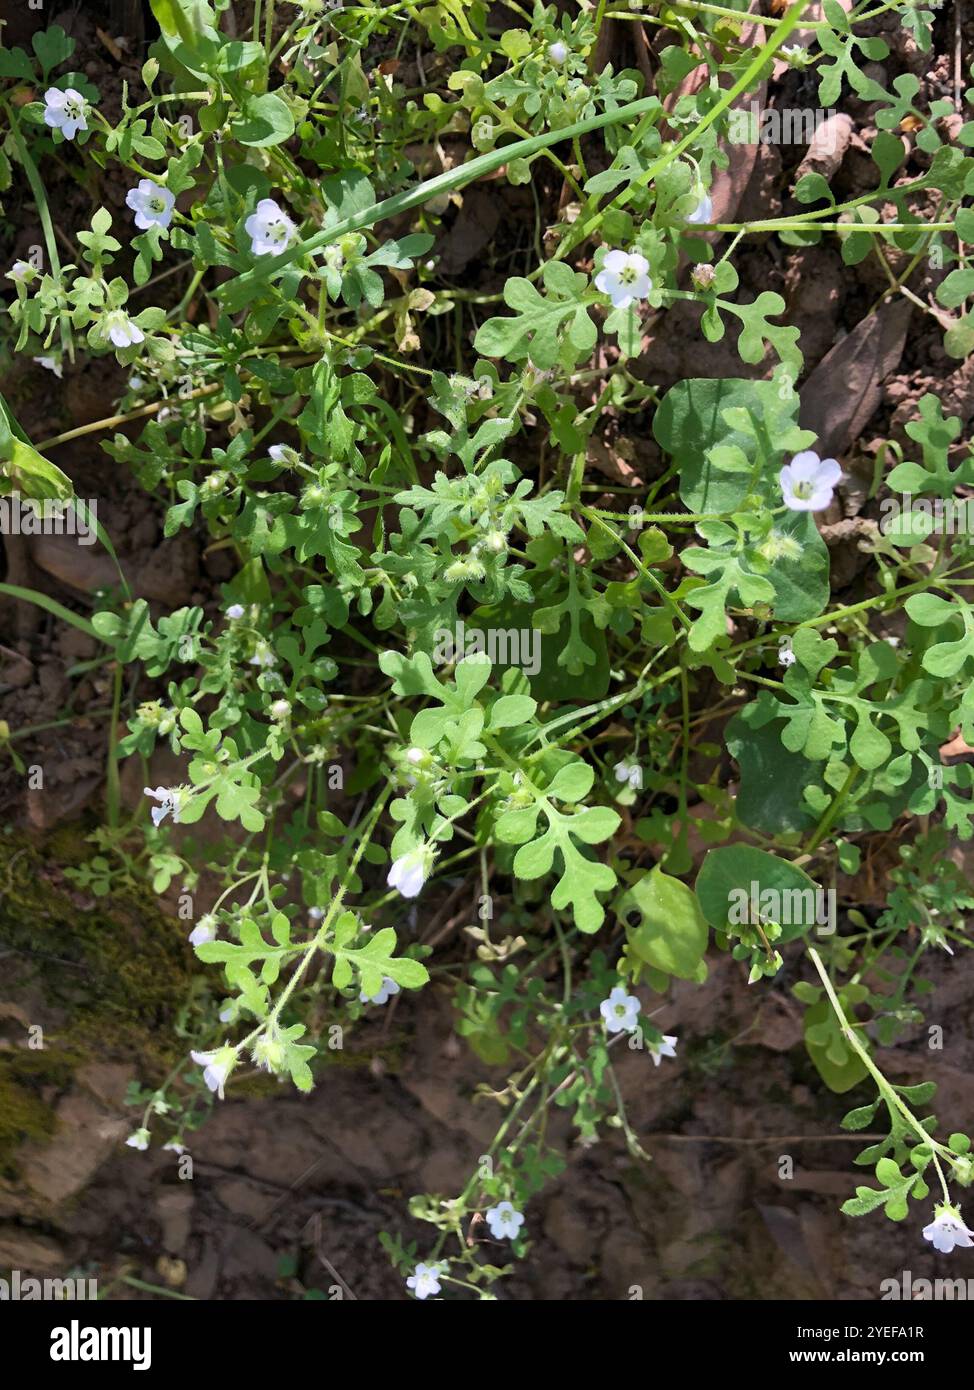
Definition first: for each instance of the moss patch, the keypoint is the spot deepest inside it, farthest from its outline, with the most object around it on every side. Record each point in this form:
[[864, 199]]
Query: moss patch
[[116, 974]]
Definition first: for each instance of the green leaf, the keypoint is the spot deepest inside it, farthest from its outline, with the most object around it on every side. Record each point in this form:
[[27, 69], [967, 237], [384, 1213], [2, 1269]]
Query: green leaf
[[725, 883], [672, 932], [552, 328], [836, 1063], [264, 120]]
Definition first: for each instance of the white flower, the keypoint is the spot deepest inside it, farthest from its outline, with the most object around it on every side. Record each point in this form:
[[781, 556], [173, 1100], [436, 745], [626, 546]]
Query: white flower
[[624, 278], [122, 330], [139, 1140], [417, 756], [151, 203], [424, 1280], [558, 51], [205, 929], [263, 656], [786, 657], [666, 1048], [807, 482], [174, 1146], [385, 991], [21, 271], [236, 610], [947, 1230], [629, 772], [703, 212], [51, 364], [409, 872], [503, 1221], [316, 913], [620, 1010], [65, 111], [284, 455], [169, 798], [217, 1066], [135, 383], [280, 709], [269, 229]]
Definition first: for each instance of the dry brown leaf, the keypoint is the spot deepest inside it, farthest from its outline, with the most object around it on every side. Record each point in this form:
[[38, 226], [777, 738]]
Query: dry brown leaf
[[956, 747], [840, 396]]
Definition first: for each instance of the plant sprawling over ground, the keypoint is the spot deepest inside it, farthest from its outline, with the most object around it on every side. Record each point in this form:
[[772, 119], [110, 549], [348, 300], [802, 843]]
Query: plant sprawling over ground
[[619, 729]]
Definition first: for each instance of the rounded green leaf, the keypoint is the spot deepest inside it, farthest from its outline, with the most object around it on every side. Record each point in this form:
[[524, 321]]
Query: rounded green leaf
[[672, 932]]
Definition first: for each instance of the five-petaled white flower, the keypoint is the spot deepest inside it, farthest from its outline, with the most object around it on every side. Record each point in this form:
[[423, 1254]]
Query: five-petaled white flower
[[424, 1280], [620, 1010], [139, 1140], [665, 1048], [504, 1221], [558, 51], [236, 610], [630, 773], [807, 482], [123, 331], [65, 111], [703, 212], [385, 991], [786, 657], [409, 872], [174, 1146], [151, 203], [269, 228], [169, 799], [624, 278], [22, 271], [947, 1230], [205, 929], [217, 1066]]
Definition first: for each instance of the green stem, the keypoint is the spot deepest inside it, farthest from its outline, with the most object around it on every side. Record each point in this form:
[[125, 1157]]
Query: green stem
[[241, 290]]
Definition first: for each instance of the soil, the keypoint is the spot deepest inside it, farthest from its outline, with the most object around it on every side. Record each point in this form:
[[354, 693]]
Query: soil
[[288, 1195]]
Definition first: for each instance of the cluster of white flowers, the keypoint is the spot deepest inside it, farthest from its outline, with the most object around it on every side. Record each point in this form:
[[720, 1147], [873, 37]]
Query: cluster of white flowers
[[621, 1014]]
